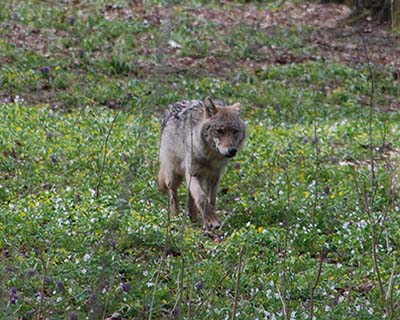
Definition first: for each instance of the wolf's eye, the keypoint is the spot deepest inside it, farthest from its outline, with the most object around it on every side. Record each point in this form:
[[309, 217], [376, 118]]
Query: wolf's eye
[[220, 131], [235, 131]]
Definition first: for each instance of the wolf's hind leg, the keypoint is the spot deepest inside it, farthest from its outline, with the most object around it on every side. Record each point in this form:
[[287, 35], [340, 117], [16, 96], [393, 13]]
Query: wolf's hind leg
[[173, 183], [173, 200], [169, 182]]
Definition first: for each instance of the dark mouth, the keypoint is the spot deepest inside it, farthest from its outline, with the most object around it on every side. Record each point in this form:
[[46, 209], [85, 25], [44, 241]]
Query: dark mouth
[[229, 156]]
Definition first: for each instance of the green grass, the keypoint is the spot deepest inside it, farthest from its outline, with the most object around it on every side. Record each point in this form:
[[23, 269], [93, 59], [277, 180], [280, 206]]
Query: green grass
[[87, 116]]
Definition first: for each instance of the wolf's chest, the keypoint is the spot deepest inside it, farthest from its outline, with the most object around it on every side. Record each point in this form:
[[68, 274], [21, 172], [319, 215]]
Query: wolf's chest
[[201, 166]]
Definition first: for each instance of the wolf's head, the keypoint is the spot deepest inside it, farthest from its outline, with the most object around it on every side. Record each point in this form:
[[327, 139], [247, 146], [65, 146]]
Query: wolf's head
[[223, 129]]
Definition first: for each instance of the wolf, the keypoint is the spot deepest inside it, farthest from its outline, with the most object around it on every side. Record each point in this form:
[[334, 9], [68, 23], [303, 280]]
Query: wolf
[[198, 138]]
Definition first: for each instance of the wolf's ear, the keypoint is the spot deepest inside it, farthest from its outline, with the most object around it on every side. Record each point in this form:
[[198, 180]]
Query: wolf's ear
[[210, 108], [236, 107]]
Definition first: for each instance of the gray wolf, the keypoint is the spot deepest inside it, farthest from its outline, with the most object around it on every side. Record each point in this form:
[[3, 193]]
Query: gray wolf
[[198, 138]]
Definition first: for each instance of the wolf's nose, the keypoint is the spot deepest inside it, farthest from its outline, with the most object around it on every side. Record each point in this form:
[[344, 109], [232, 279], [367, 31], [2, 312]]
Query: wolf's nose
[[232, 151]]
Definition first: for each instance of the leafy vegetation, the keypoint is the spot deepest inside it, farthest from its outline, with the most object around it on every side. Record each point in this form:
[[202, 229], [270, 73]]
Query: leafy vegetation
[[309, 208]]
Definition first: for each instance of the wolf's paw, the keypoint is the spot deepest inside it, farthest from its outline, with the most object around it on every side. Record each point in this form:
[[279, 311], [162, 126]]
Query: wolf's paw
[[211, 223], [193, 214]]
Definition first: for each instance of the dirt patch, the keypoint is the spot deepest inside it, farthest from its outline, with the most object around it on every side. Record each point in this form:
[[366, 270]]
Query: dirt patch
[[346, 44], [308, 14], [331, 39], [137, 10], [313, 15], [322, 30], [37, 40]]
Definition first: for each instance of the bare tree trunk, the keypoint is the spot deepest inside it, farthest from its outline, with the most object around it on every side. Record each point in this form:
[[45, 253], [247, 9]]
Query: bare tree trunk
[[396, 14]]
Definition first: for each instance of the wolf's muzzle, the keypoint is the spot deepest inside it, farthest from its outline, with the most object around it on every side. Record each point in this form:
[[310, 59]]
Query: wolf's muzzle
[[231, 152]]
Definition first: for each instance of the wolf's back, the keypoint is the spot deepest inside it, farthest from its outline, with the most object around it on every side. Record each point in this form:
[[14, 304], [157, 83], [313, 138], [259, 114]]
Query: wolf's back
[[181, 112]]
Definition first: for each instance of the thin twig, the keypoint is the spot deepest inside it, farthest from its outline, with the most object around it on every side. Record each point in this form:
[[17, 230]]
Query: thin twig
[[283, 289], [312, 291], [107, 299], [182, 269], [161, 54], [103, 161], [391, 281], [284, 303], [190, 298], [161, 265], [239, 270], [369, 200], [156, 281], [375, 257], [211, 102], [372, 106], [316, 141], [208, 293], [348, 301], [280, 4], [188, 292], [179, 302], [40, 314], [315, 200]]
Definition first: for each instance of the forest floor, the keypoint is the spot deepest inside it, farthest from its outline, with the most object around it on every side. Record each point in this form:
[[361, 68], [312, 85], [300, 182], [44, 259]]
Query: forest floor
[[309, 207]]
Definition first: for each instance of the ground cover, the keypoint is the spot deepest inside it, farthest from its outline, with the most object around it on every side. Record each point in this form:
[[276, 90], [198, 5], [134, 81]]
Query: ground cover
[[309, 208]]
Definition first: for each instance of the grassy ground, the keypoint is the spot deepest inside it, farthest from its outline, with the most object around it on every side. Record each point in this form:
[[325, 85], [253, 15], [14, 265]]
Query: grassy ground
[[310, 223]]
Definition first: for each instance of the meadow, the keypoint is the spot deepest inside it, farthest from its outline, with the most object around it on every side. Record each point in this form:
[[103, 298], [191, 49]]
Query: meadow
[[309, 208]]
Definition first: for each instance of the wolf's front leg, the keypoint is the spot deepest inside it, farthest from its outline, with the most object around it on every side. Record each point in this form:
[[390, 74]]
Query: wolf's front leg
[[193, 211], [210, 220], [211, 188]]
